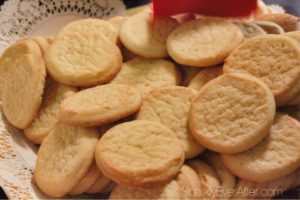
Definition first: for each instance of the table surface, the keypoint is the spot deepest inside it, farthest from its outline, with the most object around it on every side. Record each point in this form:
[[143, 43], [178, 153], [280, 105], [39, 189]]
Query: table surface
[[291, 6]]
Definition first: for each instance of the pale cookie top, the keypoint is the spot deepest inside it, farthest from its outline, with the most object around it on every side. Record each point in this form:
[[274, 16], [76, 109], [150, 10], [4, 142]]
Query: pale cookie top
[[147, 37], [275, 59], [170, 191], [64, 158], [100, 105], [232, 113], [47, 117], [295, 35], [170, 106], [276, 156], [147, 74], [103, 27], [23, 89], [83, 59], [203, 42], [204, 76], [139, 153], [286, 21]]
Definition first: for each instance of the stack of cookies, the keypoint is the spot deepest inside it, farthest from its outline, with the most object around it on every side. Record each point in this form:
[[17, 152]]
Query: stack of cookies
[[138, 108]]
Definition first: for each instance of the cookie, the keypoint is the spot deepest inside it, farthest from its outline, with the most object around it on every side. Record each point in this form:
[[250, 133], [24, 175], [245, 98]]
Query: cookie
[[275, 59], [270, 27], [145, 36], [42, 42], [135, 154], [148, 74], [100, 105], [204, 76], [286, 21], [99, 185], [87, 181], [118, 21], [23, 89], [215, 39], [226, 178], [188, 182], [266, 190], [188, 74], [208, 178], [232, 113], [83, 59], [12, 53], [249, 29], [106, 29], [169, 191], [64, 157], [276, 156], [295, 35], [47, 116], [170, 106]]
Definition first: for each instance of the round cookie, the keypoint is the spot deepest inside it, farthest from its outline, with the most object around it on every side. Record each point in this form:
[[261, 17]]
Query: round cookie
[[215, 39], [270, 27], [169, 191], [102, 183], [286, 21], [106, 29], [145, 36], [232, 113], [118, 22], [23, 89], [42, 42], [83, 59], [135, 154], [275, 59], [147, 74], [12, 53], [295, 35], [87, 181], [170, 106], [249, 29], [204, 76], [47, 116], [208, 178], [64, 157], [100, 105], [188, 182], [276, 156]]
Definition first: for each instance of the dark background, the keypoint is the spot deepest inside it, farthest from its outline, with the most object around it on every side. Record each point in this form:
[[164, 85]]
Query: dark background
[[291, 6]]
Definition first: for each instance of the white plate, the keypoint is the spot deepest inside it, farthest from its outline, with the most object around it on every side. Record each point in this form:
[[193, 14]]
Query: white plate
[[24, 18]]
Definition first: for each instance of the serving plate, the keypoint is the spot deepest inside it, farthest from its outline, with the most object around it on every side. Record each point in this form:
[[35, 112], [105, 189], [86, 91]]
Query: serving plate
[[25, 18]]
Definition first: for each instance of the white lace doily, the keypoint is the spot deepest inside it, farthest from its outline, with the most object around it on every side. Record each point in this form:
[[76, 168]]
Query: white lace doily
[[23, 18]]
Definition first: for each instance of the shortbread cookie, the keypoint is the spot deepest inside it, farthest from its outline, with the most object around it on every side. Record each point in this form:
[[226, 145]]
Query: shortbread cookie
[[139, 153], [203, 42], [188, 74], [170, 106], [189, 182], [100, 105], [204, 76], [208, 178], [47, 116], [249, 29], [232, 113], [23, 89], [295, 35], [276, 156], [99, 185], [88, 180], [275, 59], [146, 36], [169, 191], [106, 29], [226, 178], [42, 42], [270, 27], [50, 39], [12, 53], [266, 190], [118, 21], [147, 74], [83, 59], [286, 21], [64, 157]]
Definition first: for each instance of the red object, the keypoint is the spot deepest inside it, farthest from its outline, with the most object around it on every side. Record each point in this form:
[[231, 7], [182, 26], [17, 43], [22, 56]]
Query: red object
[[220, 8]]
